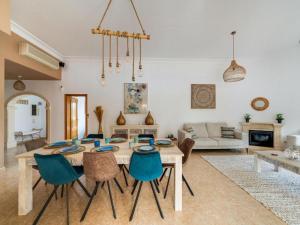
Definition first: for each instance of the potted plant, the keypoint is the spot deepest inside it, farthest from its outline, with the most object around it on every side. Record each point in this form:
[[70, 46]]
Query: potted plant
[[247, 117], [279, 117]]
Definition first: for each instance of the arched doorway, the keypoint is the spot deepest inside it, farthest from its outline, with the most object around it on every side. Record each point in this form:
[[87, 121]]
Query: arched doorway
[[27, 115]]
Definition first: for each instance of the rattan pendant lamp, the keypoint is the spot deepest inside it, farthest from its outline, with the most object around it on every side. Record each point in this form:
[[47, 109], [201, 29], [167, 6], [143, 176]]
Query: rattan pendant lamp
[[234, 72]]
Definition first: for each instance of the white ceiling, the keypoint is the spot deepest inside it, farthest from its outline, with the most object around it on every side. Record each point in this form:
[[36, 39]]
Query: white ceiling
[[178, 28]]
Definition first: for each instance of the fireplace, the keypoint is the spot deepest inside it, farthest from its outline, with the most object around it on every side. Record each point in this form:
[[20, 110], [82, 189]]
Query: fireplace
[[261, 138]]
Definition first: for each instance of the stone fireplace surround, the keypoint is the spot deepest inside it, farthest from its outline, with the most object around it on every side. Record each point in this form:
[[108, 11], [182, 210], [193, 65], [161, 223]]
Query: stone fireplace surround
[[274, 127]]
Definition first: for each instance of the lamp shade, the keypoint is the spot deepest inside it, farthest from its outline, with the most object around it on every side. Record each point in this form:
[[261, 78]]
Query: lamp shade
[[234, 72]]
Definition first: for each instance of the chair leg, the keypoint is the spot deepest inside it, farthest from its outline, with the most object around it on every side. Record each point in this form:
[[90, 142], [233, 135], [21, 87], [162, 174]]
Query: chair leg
[[135, 201], [36, 183], [44, 207], [125, 167], [166, 191], [134, 186], [156, 186], [156, 181], [90, 201], [187, 184], [67, 202], [162, 176], [72, 184], [62, 191], [83, 188], [157, 202], [55, 194], [111, 199], [119, 186], [125, 178]]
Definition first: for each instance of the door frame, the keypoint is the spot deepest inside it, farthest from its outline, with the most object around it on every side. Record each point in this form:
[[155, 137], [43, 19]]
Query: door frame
[[86, 111]]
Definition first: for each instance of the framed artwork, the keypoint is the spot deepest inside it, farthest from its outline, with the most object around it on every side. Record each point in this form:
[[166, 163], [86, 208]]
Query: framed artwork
[[135, 98], [203, 96]]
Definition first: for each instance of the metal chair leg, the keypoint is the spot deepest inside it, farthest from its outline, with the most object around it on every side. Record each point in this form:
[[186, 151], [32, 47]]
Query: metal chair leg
[[55, 194], [187, 184], [111, 200], [44, 207], [162, 176], [83, 188], [126, 168], [89, 202], [136, 200], [134, 186], [157, 202], [119, 186], [125, 178], [166, 191], [156, 186], [62, 191], [36, 183], [67, 202], [156, 181]]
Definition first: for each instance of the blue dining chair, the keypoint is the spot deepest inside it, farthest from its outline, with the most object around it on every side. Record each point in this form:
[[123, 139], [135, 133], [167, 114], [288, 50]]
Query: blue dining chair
[[145, 168], [56, 170]]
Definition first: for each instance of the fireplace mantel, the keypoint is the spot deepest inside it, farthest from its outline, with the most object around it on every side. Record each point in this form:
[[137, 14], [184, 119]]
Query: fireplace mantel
[[275, 127]]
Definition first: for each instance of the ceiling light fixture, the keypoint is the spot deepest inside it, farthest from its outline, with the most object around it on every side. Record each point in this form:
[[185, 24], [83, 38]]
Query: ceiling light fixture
[[19, 84], [118, 34], [234, 72]]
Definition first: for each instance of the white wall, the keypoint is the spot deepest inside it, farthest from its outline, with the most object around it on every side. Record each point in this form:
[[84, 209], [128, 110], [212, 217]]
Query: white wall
[[170, 82]]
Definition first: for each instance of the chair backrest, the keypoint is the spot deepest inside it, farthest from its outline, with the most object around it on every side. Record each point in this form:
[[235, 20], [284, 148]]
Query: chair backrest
[[120, 136], [98, 136], [35, 144], [186, 148], [55, 169], [100, 166], [145, 167], [146, 136]]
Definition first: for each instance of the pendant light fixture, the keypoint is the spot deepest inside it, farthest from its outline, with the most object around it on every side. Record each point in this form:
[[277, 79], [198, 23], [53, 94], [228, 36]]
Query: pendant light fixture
[[120, 34], [19, 84], [234, 72], [140, 70], [133, 76]]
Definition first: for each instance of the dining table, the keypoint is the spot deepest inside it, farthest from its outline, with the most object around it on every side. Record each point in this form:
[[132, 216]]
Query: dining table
[[170, 155]]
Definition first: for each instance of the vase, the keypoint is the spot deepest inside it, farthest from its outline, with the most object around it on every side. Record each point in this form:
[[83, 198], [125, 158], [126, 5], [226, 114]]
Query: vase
[[279, 121], [121, 119], [149, 119], [247, 120]]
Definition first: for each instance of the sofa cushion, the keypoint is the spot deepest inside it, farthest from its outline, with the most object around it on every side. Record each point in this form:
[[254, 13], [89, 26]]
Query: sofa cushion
[[199, 129], [205, 142], [214, 129], [227, 132], [227, 142]]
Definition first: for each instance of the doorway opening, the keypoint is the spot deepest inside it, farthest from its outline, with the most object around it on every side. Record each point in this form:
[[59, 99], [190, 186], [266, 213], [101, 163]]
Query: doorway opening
[[27, 118], [76, 116]]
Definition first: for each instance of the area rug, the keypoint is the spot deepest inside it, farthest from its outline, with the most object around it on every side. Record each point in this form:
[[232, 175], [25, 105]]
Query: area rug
[[277, 191]]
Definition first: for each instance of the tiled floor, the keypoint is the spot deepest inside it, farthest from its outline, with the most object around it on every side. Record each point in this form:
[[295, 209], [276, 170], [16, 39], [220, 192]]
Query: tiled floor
[[217, 201]]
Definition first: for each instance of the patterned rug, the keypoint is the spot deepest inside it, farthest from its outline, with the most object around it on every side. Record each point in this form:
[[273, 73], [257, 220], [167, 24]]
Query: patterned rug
[[279, 192]]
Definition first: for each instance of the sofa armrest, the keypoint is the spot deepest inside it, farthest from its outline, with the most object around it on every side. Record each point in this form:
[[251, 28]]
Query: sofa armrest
[[242, 136], [182, 134]]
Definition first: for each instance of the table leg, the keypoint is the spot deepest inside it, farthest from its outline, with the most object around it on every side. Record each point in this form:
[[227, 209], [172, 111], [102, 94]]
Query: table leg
[[25, 187], [178, 184], [257, 164]]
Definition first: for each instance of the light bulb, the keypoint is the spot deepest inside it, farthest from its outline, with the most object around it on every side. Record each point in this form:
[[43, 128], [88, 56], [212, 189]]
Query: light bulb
[[118, 68], [127, 59], [140, 71], [103, 80]]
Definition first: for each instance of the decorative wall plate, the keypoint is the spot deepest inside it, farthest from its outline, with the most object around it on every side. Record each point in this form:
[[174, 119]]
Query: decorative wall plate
[[203, 96]]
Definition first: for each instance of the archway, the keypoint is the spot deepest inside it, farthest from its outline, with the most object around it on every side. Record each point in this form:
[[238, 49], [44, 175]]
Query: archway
[[10, 110]]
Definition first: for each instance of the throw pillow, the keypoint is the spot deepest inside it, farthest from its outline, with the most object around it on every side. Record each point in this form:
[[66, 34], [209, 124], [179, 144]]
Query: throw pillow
[[227, 132], [192, 132]]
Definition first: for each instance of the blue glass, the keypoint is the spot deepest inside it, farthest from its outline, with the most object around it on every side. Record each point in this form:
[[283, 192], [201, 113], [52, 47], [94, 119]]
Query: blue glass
[[151, 141], [97, 143], [107, 140]]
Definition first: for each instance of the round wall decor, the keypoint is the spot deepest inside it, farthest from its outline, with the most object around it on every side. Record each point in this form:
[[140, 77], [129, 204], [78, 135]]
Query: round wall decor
[[260, 103]]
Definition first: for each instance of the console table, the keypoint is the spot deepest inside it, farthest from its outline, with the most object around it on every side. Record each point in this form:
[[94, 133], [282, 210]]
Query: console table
[[133, 130]]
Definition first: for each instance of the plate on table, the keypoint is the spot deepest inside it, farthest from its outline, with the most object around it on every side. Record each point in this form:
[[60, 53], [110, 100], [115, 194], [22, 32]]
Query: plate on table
[[118, 140], [145, 149], [59, 144], [69, 150], [144, 140], [164, 143], [105, 148], [87, 140]]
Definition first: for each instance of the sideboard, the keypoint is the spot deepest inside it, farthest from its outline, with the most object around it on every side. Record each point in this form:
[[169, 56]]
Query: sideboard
[[133, 129]]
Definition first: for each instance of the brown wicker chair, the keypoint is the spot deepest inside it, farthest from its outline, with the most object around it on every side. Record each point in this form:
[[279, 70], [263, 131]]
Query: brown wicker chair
[[100, 167], [186, 148], [32, 145]]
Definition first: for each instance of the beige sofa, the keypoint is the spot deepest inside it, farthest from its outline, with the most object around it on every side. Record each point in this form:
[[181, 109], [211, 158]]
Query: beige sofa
[[209, 136]]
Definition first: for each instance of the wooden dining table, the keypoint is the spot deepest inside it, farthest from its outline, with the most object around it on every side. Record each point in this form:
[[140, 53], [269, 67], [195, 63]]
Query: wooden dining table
[[170, 155]]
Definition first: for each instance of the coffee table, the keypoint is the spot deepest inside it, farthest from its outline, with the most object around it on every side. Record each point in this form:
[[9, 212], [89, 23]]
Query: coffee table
[[278, 159]]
